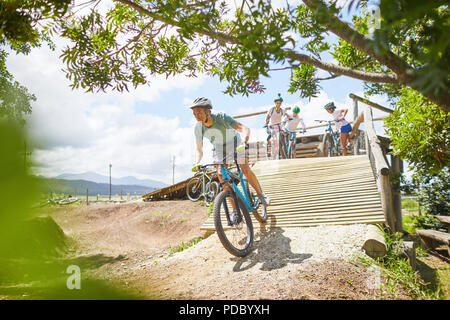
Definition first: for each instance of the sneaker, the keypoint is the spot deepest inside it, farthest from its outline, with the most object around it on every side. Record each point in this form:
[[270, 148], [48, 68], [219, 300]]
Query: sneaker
[[265, 200]]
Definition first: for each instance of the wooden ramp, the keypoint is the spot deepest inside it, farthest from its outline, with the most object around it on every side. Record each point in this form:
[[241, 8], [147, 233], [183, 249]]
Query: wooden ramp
[[315, 191]]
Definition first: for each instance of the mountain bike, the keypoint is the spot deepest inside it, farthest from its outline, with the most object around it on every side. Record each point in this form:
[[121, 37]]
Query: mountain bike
[[288, 143], [236, 232], [277, 136], [333, 139], [202, 185]]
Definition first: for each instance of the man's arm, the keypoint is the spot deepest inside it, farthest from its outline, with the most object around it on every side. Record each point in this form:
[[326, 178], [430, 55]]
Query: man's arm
[[242, 129], [267, 118]]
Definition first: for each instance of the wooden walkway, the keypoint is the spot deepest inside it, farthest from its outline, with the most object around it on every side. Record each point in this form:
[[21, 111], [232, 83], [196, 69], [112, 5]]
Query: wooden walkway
[[315, 191]]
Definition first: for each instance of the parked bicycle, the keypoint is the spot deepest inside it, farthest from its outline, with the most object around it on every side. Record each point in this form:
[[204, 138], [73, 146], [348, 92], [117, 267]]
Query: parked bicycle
[[235, 231], [333, 140], [202, 185]]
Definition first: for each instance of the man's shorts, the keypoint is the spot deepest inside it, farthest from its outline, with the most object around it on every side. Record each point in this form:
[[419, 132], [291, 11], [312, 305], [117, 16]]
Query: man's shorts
[[226, 155], [347, 128]]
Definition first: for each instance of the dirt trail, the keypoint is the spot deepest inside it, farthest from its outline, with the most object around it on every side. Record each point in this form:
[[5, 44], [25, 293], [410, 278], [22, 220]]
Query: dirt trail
[[295, 263]]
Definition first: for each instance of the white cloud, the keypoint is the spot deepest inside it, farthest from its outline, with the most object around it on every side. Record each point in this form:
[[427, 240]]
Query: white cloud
[[76, 132]]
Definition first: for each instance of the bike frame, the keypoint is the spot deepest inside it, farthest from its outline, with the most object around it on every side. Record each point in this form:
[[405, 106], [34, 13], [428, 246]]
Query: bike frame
[[289, 141], [203, 177], [227, 178], [334, 136]]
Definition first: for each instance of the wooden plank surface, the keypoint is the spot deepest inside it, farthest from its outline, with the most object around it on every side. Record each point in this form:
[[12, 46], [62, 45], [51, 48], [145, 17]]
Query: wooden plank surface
[[314, 191]]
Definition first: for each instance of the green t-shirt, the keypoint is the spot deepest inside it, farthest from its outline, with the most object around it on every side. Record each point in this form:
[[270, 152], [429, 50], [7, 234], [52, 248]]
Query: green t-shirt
[[220, 133]]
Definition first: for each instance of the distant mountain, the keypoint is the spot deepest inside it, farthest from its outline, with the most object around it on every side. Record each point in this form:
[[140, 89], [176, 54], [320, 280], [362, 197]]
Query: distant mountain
[[98, 178], [78, 187]]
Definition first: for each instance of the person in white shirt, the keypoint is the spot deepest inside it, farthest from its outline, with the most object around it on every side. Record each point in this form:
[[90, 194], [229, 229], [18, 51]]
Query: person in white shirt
[[274, 117], [293, 122], [291, 125], [342, 124]]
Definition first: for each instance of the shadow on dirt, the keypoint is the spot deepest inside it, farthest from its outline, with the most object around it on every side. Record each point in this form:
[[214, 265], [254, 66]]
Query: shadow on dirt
[[273, 250], [93, 261]]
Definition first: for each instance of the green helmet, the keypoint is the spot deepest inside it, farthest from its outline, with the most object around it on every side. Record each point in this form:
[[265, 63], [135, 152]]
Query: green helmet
[[279, 98], [296, 109], [330, 105]]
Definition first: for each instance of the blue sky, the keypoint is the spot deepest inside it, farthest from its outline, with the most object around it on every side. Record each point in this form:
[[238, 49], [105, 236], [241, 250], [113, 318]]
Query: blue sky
[[139, 132]]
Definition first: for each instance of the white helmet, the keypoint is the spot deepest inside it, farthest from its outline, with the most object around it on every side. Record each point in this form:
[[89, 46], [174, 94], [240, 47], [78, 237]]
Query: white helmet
[[201, 102]]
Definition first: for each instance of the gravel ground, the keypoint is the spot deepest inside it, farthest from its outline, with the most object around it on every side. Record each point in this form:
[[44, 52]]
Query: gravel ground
[[292, 263]]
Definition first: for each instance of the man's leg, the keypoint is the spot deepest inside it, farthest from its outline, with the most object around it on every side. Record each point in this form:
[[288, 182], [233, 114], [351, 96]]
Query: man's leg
[[253, 181], [225, 186]]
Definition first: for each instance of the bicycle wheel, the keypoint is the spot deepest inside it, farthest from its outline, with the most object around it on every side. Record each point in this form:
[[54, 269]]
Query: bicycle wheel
[[330, 145], [260, 217], [294, 147], [212, 189], [236, 238], [194, 189], [282, 146]]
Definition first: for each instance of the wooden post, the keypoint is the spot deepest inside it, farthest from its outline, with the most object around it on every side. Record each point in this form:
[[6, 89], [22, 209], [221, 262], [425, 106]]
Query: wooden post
[[382, 171], [87, 196], [396, 195], [355, 117], [120, 194]]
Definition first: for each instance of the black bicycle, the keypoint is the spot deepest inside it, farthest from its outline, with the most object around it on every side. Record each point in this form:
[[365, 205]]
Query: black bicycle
[[202, 185]]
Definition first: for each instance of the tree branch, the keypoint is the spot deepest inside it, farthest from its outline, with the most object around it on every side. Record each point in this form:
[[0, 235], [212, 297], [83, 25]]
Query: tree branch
[[387, 58], [292, 55]]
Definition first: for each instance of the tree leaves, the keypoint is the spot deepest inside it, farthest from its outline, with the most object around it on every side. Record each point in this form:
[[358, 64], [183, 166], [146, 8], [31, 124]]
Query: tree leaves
[[420, 132]]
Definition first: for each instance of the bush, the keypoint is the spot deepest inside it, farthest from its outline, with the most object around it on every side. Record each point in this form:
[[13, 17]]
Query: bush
[[434, 193]]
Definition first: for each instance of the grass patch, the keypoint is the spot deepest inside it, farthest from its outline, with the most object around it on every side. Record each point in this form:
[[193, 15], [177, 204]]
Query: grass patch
[[410, 205], [398, 271], [183, 246], [209, 209]]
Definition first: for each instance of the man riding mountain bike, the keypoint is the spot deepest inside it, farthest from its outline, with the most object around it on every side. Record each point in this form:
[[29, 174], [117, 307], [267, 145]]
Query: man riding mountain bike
[[222, 131], [275, 115]]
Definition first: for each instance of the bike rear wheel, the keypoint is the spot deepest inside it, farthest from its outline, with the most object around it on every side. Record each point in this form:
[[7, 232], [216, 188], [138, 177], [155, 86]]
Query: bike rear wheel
[[237, 238], [282, 146], [194, 189]]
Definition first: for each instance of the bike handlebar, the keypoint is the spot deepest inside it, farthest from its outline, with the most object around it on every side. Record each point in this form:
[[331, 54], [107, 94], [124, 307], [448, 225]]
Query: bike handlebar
[[278, 123]]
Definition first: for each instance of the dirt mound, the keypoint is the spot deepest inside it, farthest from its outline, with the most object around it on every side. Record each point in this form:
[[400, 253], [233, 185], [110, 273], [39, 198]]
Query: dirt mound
[[292, 263], [126, 228]]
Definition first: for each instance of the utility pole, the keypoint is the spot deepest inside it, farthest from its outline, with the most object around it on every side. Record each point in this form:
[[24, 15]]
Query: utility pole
[[110, 165], [173, 170]]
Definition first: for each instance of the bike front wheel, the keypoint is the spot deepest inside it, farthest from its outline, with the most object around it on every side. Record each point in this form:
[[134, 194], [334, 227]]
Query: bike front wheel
[[194, 189], [237, 236], [330, 145]]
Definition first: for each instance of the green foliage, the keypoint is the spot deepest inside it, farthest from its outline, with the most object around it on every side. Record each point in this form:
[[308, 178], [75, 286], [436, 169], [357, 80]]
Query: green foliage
[[303, 80], [434, 193], [426, 221], [135, 40], [210, 209], [410, 205], [420, 132], [398, 270], [15, 100], [183, 246], [33, 259], [19, 30]]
